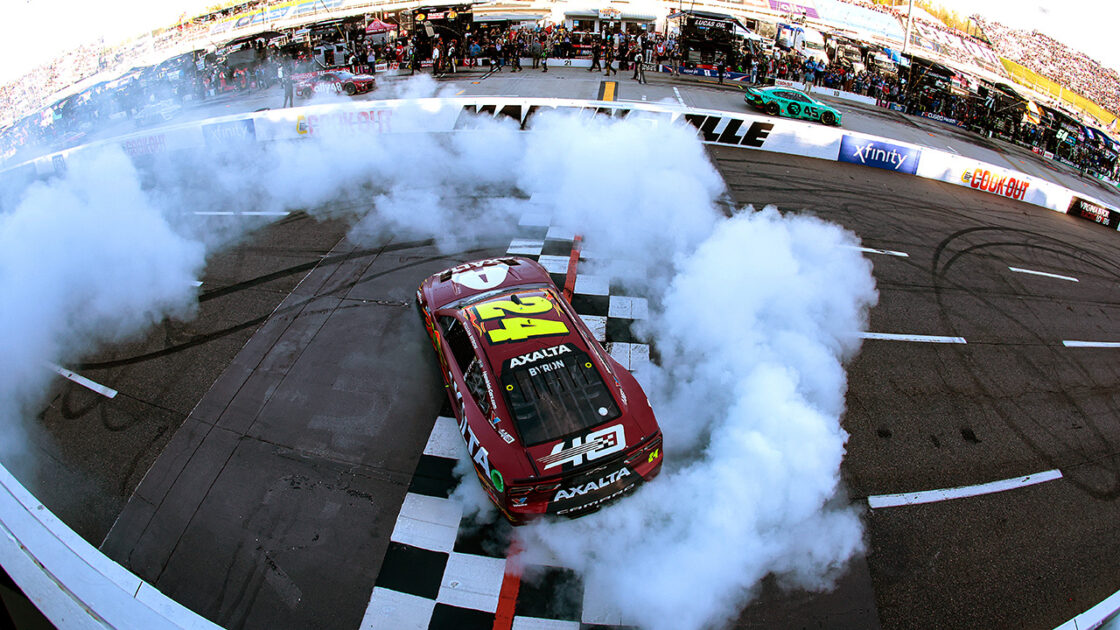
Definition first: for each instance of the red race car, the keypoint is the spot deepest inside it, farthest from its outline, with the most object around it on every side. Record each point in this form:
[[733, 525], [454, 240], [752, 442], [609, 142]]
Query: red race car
[[553, 424], [335, 82]]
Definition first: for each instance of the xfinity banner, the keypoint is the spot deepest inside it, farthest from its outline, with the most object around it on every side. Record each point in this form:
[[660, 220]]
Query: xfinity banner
[[230, 132], [870, 152]]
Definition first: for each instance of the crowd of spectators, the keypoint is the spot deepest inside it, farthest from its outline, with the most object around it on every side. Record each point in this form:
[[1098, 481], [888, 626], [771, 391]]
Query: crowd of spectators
[[504, 47], [1056, 61], [901, 12], [873, 6], [884, 88], [35, 89], [31, 91]]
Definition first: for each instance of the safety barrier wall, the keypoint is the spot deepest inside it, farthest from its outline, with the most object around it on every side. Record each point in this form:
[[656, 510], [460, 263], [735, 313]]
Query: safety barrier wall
[[715, 127], [69, 580], [77, 586]]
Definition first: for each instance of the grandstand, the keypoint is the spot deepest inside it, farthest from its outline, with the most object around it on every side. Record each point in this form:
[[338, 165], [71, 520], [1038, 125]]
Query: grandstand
[[860, 20], [1042, 63], [1052, 68]]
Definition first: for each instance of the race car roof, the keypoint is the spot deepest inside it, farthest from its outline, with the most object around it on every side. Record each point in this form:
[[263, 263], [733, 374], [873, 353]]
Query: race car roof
[[490, 277], [518, 322], [512, 308]]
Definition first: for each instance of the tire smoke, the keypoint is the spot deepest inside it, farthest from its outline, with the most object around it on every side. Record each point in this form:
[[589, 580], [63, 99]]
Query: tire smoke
[[753, 330], [85, 260], [752, 316]]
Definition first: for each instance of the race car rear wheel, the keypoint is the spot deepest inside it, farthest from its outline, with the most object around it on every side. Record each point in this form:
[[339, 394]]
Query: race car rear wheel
[[828, 118], [794, 109], [349, 89], [773, 108]]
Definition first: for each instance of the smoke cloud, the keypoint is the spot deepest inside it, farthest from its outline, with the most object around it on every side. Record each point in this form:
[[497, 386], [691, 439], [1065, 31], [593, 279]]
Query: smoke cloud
[[752, 331], [84, 260], [753, 317]]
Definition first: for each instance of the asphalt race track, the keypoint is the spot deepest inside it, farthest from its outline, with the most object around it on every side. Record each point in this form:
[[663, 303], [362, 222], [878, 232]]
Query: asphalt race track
[[221, 477], [1012, 401]]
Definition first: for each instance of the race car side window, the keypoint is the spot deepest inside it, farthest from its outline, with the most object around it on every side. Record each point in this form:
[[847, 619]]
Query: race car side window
[[458, 341], [476, 385]]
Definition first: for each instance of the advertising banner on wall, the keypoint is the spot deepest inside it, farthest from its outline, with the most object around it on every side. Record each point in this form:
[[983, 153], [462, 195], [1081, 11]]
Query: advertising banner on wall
[[358, 120], [879, 154], [1085, 209]]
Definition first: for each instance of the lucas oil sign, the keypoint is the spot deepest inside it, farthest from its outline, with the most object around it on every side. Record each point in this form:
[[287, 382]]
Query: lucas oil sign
[[879, 154]]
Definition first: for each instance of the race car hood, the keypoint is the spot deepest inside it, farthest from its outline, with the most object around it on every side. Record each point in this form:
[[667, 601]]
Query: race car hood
[[484, 276]]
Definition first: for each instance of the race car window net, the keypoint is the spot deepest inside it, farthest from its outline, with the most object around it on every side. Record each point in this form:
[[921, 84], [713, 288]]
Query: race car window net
[[476, 385], [457, 339], [556, 397]]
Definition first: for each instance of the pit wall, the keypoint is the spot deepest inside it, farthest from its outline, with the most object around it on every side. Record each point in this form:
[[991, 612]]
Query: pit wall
[[714, 127], [76, 586], [69, 580]]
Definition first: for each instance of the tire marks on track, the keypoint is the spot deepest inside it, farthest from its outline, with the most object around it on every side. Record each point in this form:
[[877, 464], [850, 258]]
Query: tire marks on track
[[202, 339], [1088, 457]]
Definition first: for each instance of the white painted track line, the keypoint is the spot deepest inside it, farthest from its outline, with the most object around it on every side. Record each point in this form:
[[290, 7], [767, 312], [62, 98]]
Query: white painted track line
[[884, 252], [1090, 344], [1043, 273], [914, 338], [107, 392], [931, 496]]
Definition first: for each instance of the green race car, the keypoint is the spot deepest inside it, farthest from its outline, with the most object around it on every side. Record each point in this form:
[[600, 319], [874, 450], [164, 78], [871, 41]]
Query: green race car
[[783, 101]]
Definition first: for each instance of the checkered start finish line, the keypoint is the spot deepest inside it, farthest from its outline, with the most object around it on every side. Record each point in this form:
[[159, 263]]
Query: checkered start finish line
[[442, 573]]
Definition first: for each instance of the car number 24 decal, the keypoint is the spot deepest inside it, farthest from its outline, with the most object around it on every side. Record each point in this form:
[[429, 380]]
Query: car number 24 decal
[[512, 326]]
